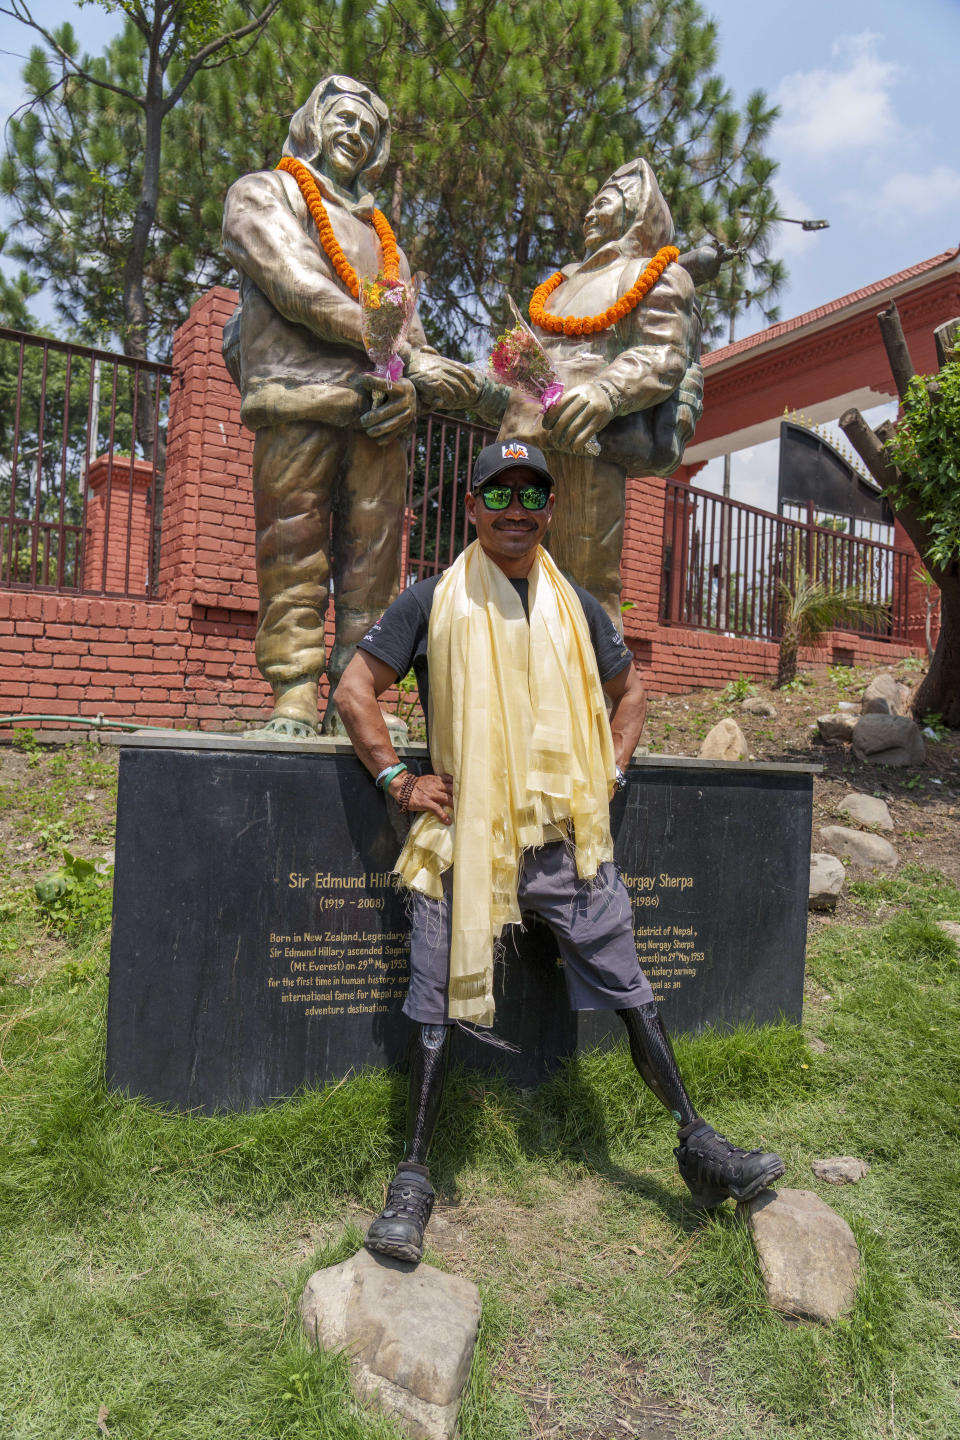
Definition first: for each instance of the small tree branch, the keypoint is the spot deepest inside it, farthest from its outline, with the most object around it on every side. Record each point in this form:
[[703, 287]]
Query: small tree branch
[[895, 344], [21, 13], [198, 61]]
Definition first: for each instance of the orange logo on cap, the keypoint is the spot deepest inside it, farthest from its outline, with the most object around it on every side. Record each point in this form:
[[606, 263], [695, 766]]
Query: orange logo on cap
[[514, 451]]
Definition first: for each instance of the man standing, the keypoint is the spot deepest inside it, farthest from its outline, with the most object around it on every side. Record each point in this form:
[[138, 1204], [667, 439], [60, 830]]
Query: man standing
[[329, 471], [512, 663]]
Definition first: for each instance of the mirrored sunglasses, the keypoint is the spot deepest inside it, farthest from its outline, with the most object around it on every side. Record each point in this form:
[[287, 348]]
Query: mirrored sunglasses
[[498, 497]]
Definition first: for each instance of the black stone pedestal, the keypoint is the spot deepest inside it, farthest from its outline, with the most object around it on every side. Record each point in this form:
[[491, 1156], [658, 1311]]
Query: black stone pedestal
[[259, 944]]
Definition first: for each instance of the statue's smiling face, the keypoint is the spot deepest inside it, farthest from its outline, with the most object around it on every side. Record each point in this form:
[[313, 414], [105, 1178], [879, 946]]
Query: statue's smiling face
[[604, 220], [348, 135]]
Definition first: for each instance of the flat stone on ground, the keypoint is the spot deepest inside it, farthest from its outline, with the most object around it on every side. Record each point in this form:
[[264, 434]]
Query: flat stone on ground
[[808, 1257], [868, 810], [724, 742], [409, 1332], [951, 929], [840, 1169], [888, 740], [836, 727], [757, 705], [826, 881], [865, 852]]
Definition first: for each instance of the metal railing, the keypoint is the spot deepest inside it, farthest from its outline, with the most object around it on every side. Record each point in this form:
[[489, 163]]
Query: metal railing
[[723, 563], [81, 467], [441, 461]]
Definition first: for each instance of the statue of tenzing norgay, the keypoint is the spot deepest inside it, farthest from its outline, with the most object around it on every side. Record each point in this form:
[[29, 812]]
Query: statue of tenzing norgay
[[622, 330], [329, 469]]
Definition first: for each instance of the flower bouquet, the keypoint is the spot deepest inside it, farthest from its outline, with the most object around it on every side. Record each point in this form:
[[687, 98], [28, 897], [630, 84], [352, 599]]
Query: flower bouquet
[[386, 309], [520, 361]]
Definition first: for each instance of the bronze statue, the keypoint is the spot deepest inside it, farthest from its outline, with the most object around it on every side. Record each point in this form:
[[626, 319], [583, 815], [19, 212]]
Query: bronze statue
[[636, 384], [329, 469]]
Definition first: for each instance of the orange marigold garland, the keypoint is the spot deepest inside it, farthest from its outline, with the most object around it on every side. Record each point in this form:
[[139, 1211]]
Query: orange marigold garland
[[310, 191], [592, 324]]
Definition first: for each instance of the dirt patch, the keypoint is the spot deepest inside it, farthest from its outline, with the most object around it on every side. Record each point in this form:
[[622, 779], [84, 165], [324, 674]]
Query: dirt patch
[[54, 798], [924, 801]]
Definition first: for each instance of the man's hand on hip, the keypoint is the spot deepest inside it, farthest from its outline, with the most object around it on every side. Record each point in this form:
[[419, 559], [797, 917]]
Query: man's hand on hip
[[430, 792]]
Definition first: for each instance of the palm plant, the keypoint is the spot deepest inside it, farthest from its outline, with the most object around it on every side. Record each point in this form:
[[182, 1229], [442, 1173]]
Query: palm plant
[[809, 609]]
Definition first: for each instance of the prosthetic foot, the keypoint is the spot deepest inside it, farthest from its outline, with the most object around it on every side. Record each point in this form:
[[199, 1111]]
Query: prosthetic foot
[[398, 1229], [710, 1167], [713, 1169]]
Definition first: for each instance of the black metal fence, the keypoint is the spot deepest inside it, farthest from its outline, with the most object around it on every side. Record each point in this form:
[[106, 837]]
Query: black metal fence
[[442, 452], [723, 564], [81, 465]]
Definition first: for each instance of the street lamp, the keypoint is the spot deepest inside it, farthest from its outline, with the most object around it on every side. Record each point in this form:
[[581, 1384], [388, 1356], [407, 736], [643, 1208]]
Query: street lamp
[[780, 220]]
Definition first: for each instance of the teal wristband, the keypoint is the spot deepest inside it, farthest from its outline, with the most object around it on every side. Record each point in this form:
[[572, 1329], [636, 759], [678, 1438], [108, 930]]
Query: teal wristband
[[391, 773]]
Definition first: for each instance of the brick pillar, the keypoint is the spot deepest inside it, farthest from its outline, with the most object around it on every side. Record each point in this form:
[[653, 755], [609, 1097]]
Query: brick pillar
[[116, 542], [207, 553]]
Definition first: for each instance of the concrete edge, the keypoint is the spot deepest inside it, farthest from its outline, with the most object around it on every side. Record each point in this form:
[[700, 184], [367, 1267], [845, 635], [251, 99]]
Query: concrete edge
[[208, 740]]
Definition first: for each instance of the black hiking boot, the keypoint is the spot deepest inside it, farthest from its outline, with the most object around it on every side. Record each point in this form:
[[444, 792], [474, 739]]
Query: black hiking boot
[[398, 1229], [713, 1169]]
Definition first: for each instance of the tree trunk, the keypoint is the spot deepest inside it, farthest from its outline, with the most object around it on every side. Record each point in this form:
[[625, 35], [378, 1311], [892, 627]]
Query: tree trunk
[[136, 318], [939, 692], [787, 659]]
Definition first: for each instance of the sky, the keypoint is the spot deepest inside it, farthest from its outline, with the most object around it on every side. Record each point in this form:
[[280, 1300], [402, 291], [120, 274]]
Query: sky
[[866, 139]]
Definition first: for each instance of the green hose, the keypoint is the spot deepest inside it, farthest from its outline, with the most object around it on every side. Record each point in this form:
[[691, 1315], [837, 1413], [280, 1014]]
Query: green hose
[[99, 722]]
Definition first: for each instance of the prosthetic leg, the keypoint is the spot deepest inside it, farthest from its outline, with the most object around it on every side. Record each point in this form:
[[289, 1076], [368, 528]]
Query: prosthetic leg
[[398, 1229], [710, 1167]]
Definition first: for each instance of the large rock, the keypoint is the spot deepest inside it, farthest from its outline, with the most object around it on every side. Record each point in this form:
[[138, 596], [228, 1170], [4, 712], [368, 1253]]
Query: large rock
[[883, 696], [808, 1256], [724, 742], [836, 727], [840, 1169], [758, 705], [863, 851], [867, 810], [409, 1333], [951, 929], [826, 881], [888, 740]]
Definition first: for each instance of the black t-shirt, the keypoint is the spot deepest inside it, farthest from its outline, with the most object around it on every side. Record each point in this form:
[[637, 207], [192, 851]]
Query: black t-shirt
[[399, 637]]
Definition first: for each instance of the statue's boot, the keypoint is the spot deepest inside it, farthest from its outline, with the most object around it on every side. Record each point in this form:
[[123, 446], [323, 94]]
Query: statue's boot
[[712, 1169], [294, 712], [398, 1229]]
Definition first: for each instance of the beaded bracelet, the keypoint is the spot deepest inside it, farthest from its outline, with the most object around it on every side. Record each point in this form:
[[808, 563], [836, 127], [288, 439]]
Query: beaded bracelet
[[406, 791], [389, 773]]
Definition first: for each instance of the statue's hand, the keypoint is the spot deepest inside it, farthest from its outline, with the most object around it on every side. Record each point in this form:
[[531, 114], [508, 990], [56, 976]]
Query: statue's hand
[[397, 410], [577, 416], [441, 381]]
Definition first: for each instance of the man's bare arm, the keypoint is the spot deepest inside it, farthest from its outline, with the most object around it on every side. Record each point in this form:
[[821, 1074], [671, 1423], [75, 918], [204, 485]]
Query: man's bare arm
[[356, 697], [629, 697]]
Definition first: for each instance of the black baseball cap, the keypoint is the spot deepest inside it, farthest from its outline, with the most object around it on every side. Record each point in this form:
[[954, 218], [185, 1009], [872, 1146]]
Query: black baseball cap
[[507, 455]]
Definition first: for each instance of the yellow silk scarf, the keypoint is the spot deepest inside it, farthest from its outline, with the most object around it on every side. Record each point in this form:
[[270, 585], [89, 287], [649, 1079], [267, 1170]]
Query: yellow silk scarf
[[517, 717]]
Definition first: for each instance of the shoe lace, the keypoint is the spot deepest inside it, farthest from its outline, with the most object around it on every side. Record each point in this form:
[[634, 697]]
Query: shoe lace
[[405, 1197], [712, 1153]]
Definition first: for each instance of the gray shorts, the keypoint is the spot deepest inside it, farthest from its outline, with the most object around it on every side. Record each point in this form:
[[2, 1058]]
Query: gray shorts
[[591, 921]]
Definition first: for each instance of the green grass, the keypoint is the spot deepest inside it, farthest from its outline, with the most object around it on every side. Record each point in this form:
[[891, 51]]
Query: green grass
[[150, 1262]]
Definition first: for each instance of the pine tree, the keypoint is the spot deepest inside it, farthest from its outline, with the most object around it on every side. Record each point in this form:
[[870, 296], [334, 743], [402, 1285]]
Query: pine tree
[[506, 117]]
